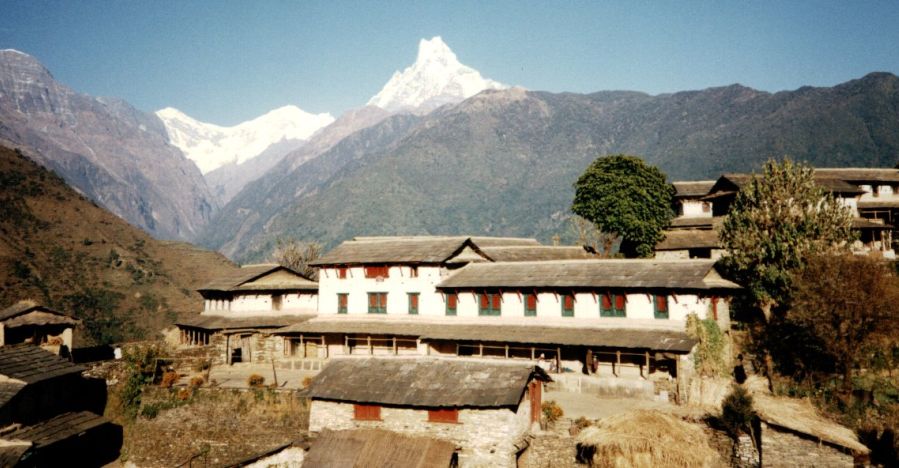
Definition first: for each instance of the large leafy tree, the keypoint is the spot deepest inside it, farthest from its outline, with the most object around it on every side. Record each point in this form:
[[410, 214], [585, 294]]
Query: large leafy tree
[[848, 303], [623, 195], [779, 220]]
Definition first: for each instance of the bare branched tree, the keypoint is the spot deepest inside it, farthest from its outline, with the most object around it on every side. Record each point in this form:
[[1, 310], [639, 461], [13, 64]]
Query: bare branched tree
[[586, 233], [296, 255]]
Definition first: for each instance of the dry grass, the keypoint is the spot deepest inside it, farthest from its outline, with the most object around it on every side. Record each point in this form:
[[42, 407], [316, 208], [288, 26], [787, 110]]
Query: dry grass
[[647, 438]]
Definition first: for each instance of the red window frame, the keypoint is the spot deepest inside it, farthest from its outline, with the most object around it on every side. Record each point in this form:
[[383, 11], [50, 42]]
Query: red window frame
[[444, 415], [377, 303], [366, 412], [341, 272], [714, 308], [377, 271], [413, 272], [452, 303]]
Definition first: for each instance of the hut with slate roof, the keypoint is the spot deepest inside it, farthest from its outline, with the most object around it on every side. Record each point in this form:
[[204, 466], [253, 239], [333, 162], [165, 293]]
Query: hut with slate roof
[[485, 408], [69, 439], [243, 306], [29, 322]]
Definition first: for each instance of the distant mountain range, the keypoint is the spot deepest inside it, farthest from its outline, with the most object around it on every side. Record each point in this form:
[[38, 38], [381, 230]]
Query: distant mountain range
[[503, 162], [113, 153], [439, 150]]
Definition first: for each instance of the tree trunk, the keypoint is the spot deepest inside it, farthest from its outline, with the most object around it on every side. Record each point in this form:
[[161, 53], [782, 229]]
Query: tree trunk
[[769, 360]]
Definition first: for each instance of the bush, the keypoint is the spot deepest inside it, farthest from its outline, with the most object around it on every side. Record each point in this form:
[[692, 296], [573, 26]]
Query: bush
[[552, 412], [736, 412], [184, 394], [150, 411], [197, 381], [256, 381], [307, 381], [168, 379]]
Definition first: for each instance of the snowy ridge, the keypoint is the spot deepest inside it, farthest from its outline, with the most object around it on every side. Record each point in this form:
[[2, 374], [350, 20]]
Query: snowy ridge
[[436, 78], [211, 146]]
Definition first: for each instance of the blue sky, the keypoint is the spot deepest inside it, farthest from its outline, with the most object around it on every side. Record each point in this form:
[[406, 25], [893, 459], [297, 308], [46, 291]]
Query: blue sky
[[229, 61]]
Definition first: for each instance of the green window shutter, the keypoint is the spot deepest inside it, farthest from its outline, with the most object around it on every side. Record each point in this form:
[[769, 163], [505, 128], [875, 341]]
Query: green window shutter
[[452, 302], [530, 304], [567, 301], [377, 303], [342, 300], [490, 304], [612, 305], [413, 303], [660, 306]]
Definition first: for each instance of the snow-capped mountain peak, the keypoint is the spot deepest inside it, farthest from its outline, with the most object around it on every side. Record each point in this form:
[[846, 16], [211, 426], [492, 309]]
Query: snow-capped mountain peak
[[211, 146], [436, 78]]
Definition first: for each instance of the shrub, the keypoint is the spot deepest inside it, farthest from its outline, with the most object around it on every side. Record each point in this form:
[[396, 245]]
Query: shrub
[[736, 411], [197, 381], [184, 394], [307, 381], [150, 411], [256, 381], [582, 422], [168, 379], [552, 412]]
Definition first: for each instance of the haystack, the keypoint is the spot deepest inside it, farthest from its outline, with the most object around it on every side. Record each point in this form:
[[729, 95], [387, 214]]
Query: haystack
[[645, 439]]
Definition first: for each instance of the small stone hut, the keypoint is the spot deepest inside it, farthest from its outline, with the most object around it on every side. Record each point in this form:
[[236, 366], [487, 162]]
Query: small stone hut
[[28, 322], [78, 438], [485, 407]]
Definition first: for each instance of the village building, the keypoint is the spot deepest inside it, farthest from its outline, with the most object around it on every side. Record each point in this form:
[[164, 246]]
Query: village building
[[870, 194], [611, 319], [485, 408], [70, 439], [28, 322], [242, 307]]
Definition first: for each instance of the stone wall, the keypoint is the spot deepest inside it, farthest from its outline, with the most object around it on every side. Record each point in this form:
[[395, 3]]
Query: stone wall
[[782, 448], [487, 436]]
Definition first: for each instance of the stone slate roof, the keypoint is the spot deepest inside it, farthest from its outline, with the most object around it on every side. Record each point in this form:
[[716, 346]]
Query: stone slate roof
[[429, 383], [733, 182], [861, 175], [879, 203], [591, 274], [611, 336], [863, 223], [234, 280], [32, 364], [692, 188], [537, 253], [8, 390], [696, 222], [410, 250], [217, 322], [44, 315], [11, 452], [376, 448], [689, 239], [58, 428]]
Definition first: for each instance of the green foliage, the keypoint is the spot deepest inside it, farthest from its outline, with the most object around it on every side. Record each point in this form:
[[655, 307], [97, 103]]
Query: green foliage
[[99, 310], [778, 220], [623, 195], [140, 368], [710, 357], [737, 413]]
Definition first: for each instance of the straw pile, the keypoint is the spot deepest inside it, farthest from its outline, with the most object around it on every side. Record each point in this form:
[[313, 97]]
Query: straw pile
[[645, 439]]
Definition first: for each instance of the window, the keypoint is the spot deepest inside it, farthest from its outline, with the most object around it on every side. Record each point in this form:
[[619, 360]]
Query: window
[[490, 304], [660, 303], [277, 299], [413, 303], [377, 303], [568, 305], [450, 415], [341, 303], [714, 308], [612, 305], [452, 301], [380, 271], [706, 207], [367, 412], [413, 272], [530, 305]]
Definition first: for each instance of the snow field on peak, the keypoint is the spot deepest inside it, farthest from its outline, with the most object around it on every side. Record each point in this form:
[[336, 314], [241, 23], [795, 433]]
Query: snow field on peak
[[211, 146]]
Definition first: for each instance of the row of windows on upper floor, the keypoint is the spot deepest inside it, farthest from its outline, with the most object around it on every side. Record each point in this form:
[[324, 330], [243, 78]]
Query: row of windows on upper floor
[[490, 304], [375, 271]]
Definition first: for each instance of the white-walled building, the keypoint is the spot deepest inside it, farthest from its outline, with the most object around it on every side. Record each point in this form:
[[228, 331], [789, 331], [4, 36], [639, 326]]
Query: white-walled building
[[29, 322], [485, 408], [242, 307]]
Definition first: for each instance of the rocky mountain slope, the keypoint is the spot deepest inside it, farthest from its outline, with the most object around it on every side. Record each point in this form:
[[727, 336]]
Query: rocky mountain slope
[[110, 151], [503, 162], [62, 250]]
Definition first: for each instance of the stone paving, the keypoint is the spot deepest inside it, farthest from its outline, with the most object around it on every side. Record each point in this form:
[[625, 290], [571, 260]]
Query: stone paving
[[236, 376]]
